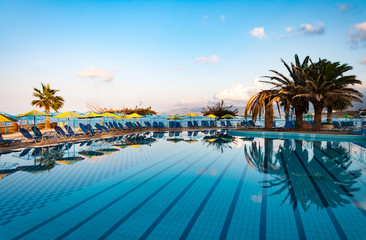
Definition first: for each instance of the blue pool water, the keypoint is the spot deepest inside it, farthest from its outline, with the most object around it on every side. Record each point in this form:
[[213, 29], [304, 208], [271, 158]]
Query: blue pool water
[[184, 185]]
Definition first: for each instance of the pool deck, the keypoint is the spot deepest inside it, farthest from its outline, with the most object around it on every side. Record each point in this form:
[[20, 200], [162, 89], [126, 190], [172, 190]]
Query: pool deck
[[342, 136], [24, 143]]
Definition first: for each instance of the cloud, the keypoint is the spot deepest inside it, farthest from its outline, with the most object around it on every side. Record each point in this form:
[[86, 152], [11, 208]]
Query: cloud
[[211, 59], [289, 29], [342, 7], [309, 29], [96, 73], [222, 18], [238, 92], [258, 32], [363, 60], [357, 35], [205, 16]]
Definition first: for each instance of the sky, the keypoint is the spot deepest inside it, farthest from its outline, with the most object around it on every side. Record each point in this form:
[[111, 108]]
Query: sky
[[167, 54]]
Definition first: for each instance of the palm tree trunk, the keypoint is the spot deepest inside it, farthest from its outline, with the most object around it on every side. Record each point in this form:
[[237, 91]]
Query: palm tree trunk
[[299, 112], [329, 113], [318, 108], [287, 113], [268, 116], [48, 122]]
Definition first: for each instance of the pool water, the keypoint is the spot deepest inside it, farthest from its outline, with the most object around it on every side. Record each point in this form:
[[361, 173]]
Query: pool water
[[184, 185]]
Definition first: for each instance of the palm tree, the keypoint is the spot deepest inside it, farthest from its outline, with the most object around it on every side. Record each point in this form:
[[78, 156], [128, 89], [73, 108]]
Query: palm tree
[[260, 103], [338, 104], [47, 99], [219, 109], [292, 86], [325, 81]]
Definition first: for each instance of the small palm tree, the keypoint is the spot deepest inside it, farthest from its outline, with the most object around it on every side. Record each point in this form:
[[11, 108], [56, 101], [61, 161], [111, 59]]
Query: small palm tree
[[47, 99]]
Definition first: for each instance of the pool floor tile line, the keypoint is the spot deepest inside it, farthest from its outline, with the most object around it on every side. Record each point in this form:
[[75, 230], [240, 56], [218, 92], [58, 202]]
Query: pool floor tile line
[[362, 165], [152, 195], [342, 166], [263, 215], [229, 216], [193, 220], [344, 189], [331, 215], [39, 225], [298, 220], [175, 201], [105, 207]]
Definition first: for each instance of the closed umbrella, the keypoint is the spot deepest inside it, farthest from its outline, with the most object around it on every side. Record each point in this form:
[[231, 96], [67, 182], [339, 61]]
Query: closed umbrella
[[4, 118], [34, 114]]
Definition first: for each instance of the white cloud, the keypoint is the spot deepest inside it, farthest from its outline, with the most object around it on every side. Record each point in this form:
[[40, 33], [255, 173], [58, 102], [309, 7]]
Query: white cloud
[[238, 92], [357, 34], [312, 30], [258, 32], [96, 73], [205, 16], [222, 18], [289, 29], [342, 7], [363, 60], [211, 59]]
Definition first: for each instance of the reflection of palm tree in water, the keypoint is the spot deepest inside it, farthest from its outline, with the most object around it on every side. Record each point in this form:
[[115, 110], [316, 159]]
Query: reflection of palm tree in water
[[220, 142], [330, 174], [261, 159]]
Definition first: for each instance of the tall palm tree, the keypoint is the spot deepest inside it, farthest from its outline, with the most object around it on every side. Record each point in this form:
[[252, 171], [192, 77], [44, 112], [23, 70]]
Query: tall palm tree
[[260, 103], [292, 86], [47, 99], [325, 81]]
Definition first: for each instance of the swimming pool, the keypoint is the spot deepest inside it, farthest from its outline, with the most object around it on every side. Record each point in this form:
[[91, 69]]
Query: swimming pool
[[178, 185]]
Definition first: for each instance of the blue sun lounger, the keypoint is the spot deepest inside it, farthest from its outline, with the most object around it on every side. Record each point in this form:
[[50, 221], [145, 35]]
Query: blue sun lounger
[[8, 141], [71, 132], [29, 136]]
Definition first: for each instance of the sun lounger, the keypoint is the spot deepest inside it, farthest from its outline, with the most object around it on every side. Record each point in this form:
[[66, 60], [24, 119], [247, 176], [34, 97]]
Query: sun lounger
[[178, 125], [29, 136], [195, 124], [212, 123], [171, 124], [121, 126], [8, 141], [39, 134], [71, 132], [223, 124], [337, 125], [61, 132], [155, 125], [252, 124], [161, 125], [228, 123], [190, 124]]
